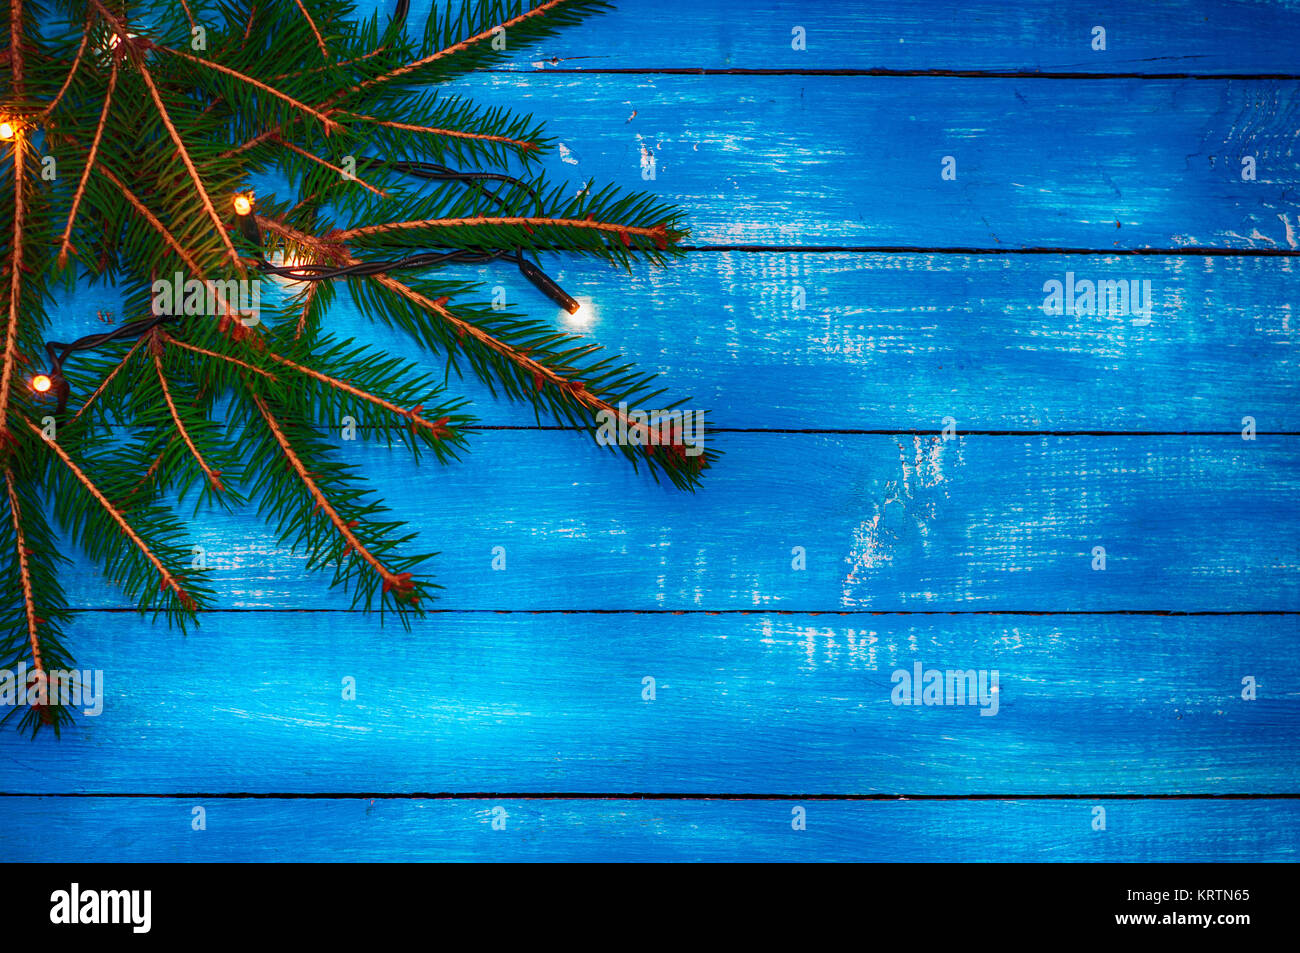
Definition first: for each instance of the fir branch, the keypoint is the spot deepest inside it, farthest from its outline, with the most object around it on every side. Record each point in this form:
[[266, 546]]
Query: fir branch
[[168, 339], [538, 11], [189, 165], [329, 124], [107, 380], [308, 300], [76, 62], [65, 243], [399, 582], [320, 41], [15, 275], [29, 602], [214, 476], [449, 133], [143, 210], [16, 43], [144, 480], [437, 429], [329, 165], [168, 580], [659, 233]]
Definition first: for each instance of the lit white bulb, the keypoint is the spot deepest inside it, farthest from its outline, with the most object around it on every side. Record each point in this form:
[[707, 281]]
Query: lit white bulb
[[584, 319], [281, 260]]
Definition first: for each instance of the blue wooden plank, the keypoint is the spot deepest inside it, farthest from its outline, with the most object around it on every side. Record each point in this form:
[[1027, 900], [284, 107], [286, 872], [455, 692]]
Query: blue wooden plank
[[847, 160], [1170, 36], [347, 830], [254, 702], [1008, 523], [794, 703], [774, 340]]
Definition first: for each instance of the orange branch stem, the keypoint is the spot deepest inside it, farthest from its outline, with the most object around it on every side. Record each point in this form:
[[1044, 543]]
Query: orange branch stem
[[658, 232], [320, 41], [411, 415], [76, 61], [214, 478], [317, 159], [330, 124], [24, 572], [189, 167], [452, 133], [306, 306], [168, 339], [391, 579], [15, 284], [456, 47], [107, 380], [538, 370], [168, 580], [65, 243]]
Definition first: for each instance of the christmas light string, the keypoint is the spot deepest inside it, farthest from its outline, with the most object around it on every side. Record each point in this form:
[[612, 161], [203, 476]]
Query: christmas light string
[[243, 204], [58, 352]]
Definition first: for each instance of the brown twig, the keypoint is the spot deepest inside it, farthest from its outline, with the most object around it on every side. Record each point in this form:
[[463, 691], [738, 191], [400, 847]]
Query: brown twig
[[189, 167], [320, 41], [214, 476], [306, 306], [317, 159], [16, 40], [437, 428], [168, 339], [65, 243], [103, 386], [452, 133], [256, 140], [25, 573], [15, 285], [401, 582], [318, 69], [455, 47], [330, 124], [148, 474], [168, 580], [85, 38], [659, 232]]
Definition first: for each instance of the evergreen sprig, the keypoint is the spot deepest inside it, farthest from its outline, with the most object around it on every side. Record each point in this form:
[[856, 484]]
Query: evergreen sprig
[[156, 116]]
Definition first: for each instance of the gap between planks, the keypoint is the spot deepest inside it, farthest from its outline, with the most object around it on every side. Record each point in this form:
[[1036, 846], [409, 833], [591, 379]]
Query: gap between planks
[[780, 612], [642, 796], [885, 72]]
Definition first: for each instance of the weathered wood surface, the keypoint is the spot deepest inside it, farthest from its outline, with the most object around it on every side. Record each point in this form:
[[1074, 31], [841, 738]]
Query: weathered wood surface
[[522, 689], [743, 704], [886, 523]]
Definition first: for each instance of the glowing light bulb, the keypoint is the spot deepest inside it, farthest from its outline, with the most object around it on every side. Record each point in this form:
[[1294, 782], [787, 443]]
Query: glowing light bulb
[[281, 260], [41, 383], [7, 130], [581, 320], [243, 205]]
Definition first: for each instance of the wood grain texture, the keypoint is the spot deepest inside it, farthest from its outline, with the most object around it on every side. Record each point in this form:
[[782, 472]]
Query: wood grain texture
[[349, 830], [511, 690], [759, 703], [790, 160], [898, 342], [1169, 36], [1188, 523]]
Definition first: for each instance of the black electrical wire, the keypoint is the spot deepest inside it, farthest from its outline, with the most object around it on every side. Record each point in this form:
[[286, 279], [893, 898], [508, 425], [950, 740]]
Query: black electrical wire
[[432, 170], [59, 352]]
